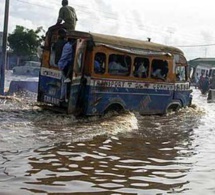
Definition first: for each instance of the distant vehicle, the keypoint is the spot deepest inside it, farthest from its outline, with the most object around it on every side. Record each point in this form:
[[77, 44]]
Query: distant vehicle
[[29, 68]]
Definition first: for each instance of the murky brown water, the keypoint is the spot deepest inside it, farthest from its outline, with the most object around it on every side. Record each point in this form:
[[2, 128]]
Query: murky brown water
[[46, 153]]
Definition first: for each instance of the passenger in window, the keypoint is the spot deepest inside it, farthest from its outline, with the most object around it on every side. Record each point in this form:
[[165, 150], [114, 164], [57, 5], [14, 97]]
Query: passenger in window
[[116, 67], [161, 72], [157, 74], [97, 65], [178, 77], [142, 71], [165, 70]]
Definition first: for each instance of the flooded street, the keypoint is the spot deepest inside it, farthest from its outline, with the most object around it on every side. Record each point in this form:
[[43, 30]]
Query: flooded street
[[42, 152]]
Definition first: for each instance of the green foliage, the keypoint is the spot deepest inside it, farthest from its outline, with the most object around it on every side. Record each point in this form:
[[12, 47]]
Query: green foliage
[[24, 42]]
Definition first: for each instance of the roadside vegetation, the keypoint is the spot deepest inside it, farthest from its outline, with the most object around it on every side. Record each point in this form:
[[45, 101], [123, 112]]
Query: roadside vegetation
[[24, 42]]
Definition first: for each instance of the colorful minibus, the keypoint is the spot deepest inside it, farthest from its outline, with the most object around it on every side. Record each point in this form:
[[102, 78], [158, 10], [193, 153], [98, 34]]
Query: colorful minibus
[[114, 73]]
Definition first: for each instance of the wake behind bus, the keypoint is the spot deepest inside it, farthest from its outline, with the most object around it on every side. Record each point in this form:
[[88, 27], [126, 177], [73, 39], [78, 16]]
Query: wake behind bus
[[114, 73]]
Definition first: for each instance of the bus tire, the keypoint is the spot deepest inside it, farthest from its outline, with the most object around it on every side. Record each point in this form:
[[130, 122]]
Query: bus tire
[[173, 107], [114, 108]]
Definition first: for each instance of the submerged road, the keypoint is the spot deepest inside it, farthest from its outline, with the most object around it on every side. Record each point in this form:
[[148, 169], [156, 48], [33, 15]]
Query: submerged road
[[42, 152]]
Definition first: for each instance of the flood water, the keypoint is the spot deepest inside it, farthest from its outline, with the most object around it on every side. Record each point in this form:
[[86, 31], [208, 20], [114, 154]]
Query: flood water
[[42, 152]]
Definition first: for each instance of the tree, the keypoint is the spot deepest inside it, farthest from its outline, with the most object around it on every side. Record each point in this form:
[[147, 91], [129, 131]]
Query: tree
[[24, 42]]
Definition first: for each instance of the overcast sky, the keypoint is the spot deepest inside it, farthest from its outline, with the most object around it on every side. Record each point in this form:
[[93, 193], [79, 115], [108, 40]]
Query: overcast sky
[[178, 23]]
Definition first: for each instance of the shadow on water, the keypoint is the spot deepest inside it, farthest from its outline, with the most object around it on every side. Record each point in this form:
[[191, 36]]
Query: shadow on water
[[123, 154]]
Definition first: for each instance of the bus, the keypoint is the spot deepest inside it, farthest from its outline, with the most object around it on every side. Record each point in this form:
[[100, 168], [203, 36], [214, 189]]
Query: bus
[[115, 73]]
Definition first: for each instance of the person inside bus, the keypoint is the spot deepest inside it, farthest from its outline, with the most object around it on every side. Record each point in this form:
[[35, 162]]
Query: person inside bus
[[157, 73], [97, 65], [115, 67], [142, 71], [165, 70], [56, 50], [178, 76], [161, 72]]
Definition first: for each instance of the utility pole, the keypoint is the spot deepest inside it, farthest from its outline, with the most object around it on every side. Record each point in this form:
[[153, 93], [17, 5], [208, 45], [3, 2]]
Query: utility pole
[[4, 48]]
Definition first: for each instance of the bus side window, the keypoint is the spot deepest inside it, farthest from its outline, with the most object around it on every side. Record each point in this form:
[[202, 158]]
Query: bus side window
[[159, 69], [141, 67], [119, 64], [99, 63]]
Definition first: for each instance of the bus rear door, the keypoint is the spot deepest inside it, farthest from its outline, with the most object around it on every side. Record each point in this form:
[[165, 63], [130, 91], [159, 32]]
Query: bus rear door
[[49, 87], [76, 87]]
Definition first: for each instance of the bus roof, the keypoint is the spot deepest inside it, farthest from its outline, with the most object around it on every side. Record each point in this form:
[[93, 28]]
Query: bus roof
[[126, 43]]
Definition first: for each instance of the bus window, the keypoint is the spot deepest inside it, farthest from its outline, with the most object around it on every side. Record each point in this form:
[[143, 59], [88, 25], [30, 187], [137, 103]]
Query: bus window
[[119, 64], [159, 69], [141, 67], [99, 63], [180, 73]]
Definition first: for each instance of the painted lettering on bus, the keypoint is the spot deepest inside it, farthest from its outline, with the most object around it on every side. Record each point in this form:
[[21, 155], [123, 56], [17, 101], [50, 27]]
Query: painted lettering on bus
[[50, 99], [51, 73], [182, 86], [139, 86], [110, 84], [163, 87]]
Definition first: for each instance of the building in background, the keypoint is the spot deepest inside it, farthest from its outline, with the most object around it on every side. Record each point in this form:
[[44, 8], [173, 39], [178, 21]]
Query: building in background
[[202, 61]]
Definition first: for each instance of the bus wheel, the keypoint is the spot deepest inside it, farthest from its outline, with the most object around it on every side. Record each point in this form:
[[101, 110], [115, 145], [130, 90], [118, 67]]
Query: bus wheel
[[114, 109], [173, 108]]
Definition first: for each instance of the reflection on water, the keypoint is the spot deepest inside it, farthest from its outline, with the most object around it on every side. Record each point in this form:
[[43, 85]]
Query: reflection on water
[[42, 152]]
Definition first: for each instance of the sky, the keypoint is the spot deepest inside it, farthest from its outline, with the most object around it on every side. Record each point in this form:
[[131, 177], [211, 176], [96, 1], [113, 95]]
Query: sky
[[186, 24]]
